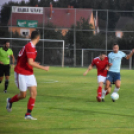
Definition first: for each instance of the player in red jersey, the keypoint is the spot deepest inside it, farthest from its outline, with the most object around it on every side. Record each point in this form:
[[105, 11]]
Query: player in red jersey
[[101, 64], [24, 77]]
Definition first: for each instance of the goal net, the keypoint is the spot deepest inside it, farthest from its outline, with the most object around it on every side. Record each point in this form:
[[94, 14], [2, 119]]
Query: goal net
[[50, 51]]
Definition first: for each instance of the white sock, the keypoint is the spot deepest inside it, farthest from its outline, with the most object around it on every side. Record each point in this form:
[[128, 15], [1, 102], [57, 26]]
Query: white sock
[[116, 89], [103, 93]]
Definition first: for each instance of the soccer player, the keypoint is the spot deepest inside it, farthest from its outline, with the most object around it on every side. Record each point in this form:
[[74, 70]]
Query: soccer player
[[113, 75], [101, 64], [24, 77], [5, 54]]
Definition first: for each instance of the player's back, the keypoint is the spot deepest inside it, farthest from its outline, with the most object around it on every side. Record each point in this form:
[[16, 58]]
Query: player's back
[[22, 67]]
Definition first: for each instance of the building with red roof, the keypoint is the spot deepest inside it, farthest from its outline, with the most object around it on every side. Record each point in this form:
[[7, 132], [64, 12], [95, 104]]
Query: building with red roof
[[25, 19]]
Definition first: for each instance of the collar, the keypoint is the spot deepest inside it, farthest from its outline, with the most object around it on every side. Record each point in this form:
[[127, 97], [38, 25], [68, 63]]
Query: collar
[[100, 58], [32, 44], [5, 49], [116, 53]]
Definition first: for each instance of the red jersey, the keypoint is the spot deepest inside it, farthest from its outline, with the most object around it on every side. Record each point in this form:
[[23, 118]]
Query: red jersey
[[22, 67], [100, 65]]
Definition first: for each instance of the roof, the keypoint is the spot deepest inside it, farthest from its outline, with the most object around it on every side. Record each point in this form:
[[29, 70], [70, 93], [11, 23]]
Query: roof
[[61, 17], [123, 22]]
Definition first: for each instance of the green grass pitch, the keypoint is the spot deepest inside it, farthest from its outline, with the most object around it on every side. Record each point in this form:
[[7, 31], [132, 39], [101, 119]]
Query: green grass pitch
[[66, 104]]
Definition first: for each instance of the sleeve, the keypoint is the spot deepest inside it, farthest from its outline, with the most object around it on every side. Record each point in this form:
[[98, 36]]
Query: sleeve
[[123, 54], [11, 52], [93, 63], [107, 60], [30, 52]]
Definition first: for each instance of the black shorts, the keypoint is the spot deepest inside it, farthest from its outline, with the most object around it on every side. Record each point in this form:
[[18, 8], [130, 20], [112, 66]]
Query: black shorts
[[4, 70]]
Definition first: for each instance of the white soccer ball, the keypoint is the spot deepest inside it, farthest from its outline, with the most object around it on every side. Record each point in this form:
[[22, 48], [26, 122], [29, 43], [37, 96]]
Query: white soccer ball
[[115, 96]]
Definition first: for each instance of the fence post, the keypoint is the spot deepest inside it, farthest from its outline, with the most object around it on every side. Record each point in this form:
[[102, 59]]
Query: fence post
[[63, 51], [43, 35], [130, 63], [75, 40], [11, 26], [106, 31], [82, 59]]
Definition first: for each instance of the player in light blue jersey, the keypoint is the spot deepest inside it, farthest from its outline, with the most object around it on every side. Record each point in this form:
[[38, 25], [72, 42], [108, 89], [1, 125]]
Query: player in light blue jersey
[[113, 75]]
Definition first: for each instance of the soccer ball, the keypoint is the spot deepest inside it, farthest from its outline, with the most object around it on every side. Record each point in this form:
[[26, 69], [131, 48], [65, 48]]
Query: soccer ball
[[115, 96]]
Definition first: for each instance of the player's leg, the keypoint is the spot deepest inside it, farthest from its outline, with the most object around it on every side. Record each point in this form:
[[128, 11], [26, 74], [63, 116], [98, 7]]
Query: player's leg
[[107, 89], [6, 83], [31, 102], [32, 86], [99, 91], [1, 78], [101, 80], [117, 86], [7, 75], [15, 98], [117, 81], [21, 84], [109, 80]]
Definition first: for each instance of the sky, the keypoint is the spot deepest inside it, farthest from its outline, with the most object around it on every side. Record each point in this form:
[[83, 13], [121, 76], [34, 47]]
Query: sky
[[4, 1]]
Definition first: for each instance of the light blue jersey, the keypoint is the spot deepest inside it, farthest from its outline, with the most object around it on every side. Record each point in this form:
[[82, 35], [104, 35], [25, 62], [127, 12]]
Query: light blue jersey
[[115, 59]]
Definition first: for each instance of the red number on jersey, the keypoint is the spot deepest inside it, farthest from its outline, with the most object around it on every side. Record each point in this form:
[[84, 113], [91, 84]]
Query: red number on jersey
[[21, 51]]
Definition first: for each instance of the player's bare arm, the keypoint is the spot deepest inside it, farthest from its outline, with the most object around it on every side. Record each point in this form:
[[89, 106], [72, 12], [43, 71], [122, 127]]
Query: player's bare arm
[[107, 67], [89, 68], [1, 62], [130, 55], [37, 65]]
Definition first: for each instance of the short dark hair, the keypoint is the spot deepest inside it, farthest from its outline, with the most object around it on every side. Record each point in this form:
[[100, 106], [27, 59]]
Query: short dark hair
[[115, 44], [6, 41], [34, 35], [102, 52]]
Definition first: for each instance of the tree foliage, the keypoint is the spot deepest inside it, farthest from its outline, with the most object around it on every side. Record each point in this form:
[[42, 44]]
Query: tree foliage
[[84, 39], [83, 34]]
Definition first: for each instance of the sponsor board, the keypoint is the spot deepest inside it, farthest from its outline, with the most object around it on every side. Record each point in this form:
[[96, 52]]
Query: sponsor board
[[32, 10]]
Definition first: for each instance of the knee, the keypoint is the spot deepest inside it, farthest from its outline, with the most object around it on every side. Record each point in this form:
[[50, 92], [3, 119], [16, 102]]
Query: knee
[[117, 86], [22, 96], [106, 87]]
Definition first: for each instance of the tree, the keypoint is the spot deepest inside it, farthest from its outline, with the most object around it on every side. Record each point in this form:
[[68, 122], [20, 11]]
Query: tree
[[82, 37], [127, 41], [52, 56], [33, 2], [6, 11]]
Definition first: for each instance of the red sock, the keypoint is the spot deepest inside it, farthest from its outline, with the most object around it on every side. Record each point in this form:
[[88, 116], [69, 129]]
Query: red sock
[[107, 93], [30, 106], [99, 91], [14, 99]]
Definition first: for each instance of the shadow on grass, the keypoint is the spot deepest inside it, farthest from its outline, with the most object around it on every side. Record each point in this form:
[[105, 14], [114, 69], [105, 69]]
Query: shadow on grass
[[68, 98], [91, 112]]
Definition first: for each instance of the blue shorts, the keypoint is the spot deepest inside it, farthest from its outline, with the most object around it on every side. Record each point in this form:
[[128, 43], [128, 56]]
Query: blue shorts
[[113, 76]]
